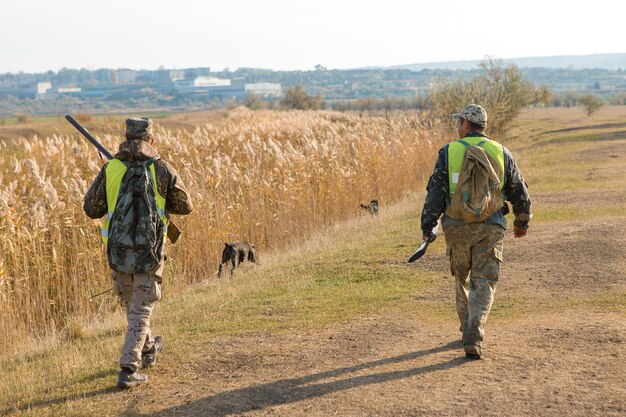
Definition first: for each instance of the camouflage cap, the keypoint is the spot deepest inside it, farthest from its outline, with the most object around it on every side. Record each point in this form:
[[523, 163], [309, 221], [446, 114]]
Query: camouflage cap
[[138, 128], [473, 113]]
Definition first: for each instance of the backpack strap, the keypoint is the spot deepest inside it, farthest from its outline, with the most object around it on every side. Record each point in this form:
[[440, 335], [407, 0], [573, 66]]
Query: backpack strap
[[148, 163], [467, 145], [151, 161]]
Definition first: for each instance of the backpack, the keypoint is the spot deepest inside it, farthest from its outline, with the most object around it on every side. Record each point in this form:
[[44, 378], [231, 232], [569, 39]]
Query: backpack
[[135, 242], [477, 196]]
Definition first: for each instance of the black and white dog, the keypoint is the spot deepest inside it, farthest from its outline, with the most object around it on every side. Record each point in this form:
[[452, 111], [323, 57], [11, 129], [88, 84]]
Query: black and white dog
[[372, 207], [236, 253]]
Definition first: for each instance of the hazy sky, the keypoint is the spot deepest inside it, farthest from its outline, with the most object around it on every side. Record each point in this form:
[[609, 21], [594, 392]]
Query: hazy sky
[[37, 36]]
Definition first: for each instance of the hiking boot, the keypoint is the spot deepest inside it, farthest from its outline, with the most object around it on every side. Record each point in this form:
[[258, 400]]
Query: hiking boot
[[473, 351], [148, 359], [128, 378]]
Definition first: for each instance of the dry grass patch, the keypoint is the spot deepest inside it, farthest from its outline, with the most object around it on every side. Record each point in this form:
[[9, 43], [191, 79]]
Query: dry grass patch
[[274, 179]]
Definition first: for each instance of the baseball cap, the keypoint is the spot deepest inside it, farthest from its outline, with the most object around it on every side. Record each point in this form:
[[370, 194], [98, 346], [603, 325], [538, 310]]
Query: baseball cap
[[138, 128], [472, 113]]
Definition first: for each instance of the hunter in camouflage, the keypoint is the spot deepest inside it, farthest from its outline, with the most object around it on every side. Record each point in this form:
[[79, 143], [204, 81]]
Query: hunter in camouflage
[[139, 292], [475, 249], [168, 182]]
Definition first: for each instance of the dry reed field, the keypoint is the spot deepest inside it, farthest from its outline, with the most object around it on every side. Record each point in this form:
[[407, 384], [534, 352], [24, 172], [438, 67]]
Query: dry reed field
[[273, 178]]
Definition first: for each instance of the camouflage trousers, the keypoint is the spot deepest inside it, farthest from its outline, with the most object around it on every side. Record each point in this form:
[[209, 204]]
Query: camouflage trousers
[[138, 294], [475, 251]]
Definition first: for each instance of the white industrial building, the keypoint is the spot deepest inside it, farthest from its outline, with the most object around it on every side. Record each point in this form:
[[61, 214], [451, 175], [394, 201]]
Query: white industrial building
[[263, 89], [43, 87], [127, 82], [199, 84], [45, 90]]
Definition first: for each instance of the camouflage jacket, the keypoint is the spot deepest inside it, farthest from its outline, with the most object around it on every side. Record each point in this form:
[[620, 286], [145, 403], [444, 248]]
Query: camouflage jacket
[[169, 184], [437, 200]]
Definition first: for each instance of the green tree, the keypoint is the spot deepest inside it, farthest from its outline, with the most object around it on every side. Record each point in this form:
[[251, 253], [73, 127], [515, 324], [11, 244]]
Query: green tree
[[500, 89], [253, 102], [296, 98], [591, 103]]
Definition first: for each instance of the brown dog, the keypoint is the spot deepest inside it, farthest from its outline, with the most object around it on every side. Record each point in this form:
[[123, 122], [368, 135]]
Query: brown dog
[[236, 253]]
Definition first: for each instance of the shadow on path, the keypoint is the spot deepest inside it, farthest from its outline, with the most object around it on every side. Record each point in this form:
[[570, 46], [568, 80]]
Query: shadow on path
[[297, 389], [60, 400]]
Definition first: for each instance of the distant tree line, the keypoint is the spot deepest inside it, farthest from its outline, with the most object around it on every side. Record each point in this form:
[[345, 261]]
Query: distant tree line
[[570, 99], [503, 89], [335, 84], [589, 101]]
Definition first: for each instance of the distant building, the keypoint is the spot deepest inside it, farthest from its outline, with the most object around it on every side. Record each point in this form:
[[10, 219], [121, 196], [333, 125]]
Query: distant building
[[42, 87], [127, 83], [46, 91], [222, 88], [165, 76], [227, 92], [263, 89], [199, 85], [210, 81], [67, 90], [126, 76]]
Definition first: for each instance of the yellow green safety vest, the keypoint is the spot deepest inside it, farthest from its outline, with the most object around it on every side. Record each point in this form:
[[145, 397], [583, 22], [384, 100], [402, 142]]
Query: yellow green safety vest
[[456, 153], [114, 173]]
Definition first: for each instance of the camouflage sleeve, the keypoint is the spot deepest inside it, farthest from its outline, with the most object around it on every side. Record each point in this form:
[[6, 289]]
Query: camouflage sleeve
[[95, 201], [516, 191], [177, 198], [437, 193]]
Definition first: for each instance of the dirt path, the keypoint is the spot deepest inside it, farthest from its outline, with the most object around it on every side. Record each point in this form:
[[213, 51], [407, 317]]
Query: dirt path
[[554, 345], [543, 362], [395, 366]]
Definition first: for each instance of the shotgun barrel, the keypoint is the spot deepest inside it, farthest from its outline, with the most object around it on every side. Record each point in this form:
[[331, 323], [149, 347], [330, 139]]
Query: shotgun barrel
[[89, 137]]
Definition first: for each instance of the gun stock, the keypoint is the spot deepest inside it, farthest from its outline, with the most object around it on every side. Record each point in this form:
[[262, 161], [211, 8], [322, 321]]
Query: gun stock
[[173, 232]]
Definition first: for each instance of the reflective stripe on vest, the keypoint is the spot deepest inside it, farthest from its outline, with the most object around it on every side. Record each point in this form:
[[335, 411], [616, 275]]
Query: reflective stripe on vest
[[114, 173], [456, 154]]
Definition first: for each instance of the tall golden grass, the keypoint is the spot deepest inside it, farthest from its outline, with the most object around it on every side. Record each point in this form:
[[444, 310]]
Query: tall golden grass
[[271, 178]]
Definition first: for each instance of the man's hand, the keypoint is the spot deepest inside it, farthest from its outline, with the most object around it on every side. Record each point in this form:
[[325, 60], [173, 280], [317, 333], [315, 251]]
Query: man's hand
[[431, 237], [519, 232]]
